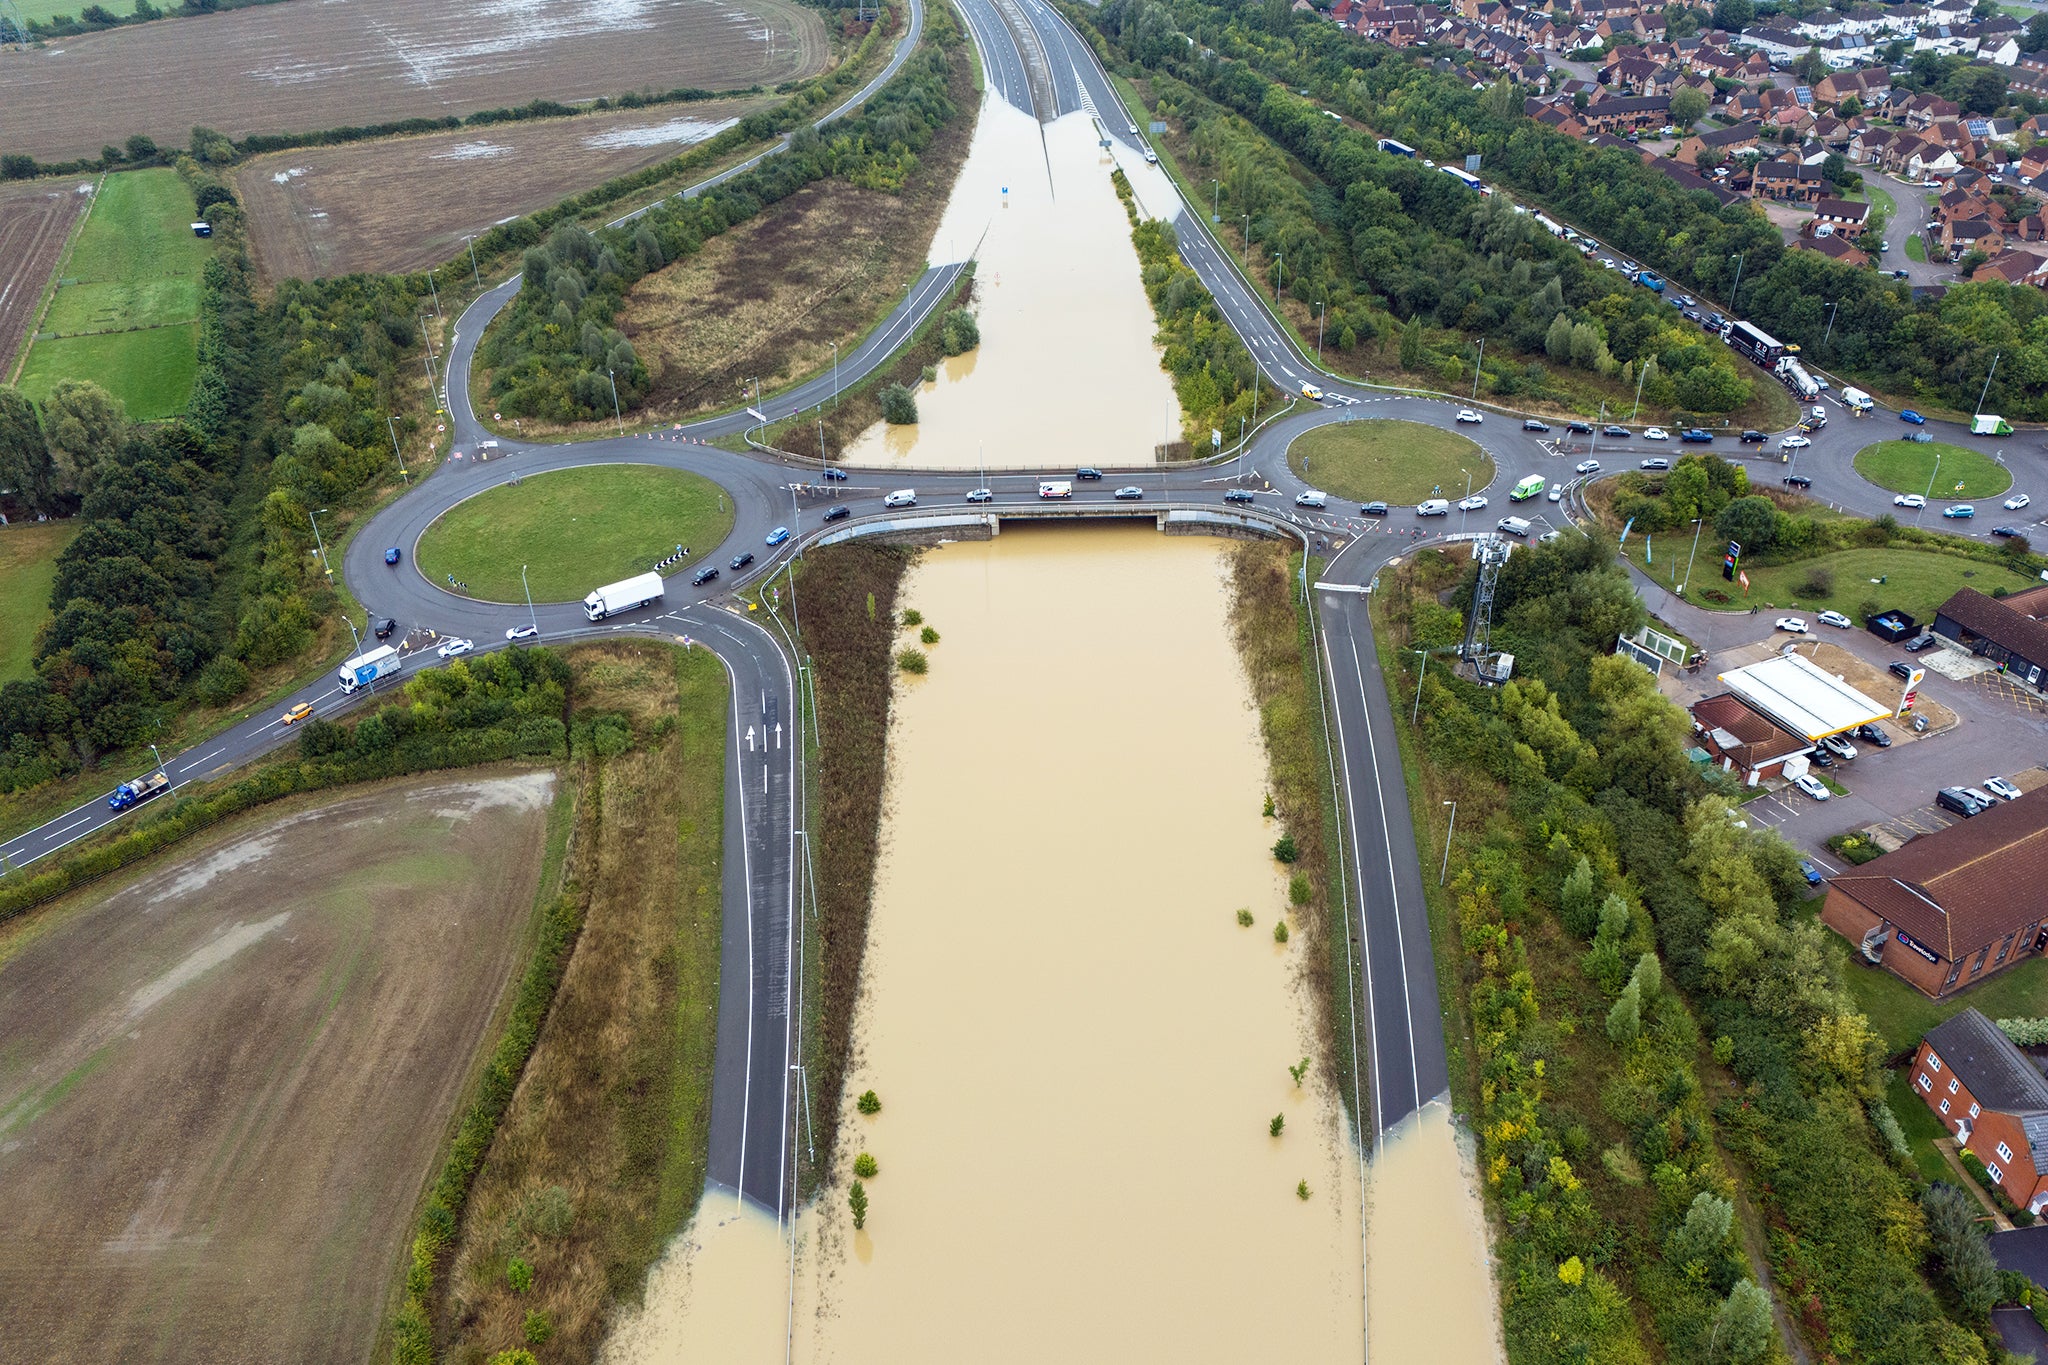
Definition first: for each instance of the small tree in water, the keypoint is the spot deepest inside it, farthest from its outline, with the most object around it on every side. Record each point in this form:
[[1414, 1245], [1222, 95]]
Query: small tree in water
[[869, 1103], [857, 1199], [1279, 1122], [899, 406]]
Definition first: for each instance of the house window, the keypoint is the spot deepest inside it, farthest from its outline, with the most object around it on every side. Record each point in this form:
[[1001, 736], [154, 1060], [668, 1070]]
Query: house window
[[1926, 1084], [1954, 972], [1952, 1084], [2006, 946], [1934, 1063], [1944, 1106], [1978, 965], [2004, 1152], [1995, 1173], [1973, 1111]]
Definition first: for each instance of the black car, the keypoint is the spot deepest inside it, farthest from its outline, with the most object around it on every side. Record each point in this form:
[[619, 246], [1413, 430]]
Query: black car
[[1085, 472], [1874, 735], [1373, 509], [1798, 481], [1238, 495], [2005, 530], [1902, 669], [741, 560], [1754, 437], [1621, 433], [1819, 757], [834, 472], [1898, 274], [1531, 424], [838, 513], [703, 575], [1920, 642], [1656, 462], [1578, 428], [385, 627], [1957, 800]]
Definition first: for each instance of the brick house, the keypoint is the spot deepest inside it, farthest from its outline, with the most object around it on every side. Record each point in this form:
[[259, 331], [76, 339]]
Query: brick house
[[1732, 141], [1845, 216], [1833, 247], [2015, 267], [1737, 737], [1989, 1095], [1952, 907], [1628, 113], [1790, 181], [2001, 631]]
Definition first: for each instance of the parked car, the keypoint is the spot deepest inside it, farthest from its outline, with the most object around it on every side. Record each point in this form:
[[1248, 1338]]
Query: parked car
[[450, 648], [1898, 274], [1908, 500], [2002, 789], [1531, 424], [1908, 415], [1794, 443], [1579, 428], [391, 555], [1587, 467], [1473, 503], [1792, 624], [1900, 669], [1921, 436], [1875, 735], [1839, 747], [1130, 492], [741, 560], [1656, 434], [838, 513], [529, 630], [1957, 800], [1820, 758], [1655, 463], [2016, 502], [1959, 511], [1920, 642], [1696, 435], [1239, 495], [1619, 433], [1810, 872], [1548, 536], [1811, 785], [2005, 530], [1467, 415], [1836, 619], [1754, 437], [1373, 509], [1798, 481], [778, 535], [703, 575]]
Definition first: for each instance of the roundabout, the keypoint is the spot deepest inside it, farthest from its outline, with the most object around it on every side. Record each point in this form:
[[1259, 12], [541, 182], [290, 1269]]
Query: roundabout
[[1392, 461], [1933, 469]]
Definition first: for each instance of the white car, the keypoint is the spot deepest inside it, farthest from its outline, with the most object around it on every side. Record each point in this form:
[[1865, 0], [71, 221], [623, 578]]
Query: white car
[[2002, 789], [1587, 467], [1794, 443], [1467, 415], [1909, 500], [1473, 503], [450, 648], [526, 632], [1810, 784], [1837, 620], [1839, 746], [1792, 624], [2016, 502], [1656, 434]]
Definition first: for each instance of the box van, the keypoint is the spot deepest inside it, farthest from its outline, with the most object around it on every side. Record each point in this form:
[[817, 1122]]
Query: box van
[[1435, 507], [902, 497], [1514, 526], [1527, 488], [1312, 498]]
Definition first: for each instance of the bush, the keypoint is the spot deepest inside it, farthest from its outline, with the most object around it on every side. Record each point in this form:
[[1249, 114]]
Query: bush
[[1280, 931], [913, 661], [1245, 918], [2025, 1032], [864, 1166], [869, 1103], [899, 406], [959, 333], [1285, 849], [911, 615], [1279, 1122], [857, 1200], [221, 681], [1819, 582], [1298, 888], [538, 1328], [928, 636], [519, 1275]]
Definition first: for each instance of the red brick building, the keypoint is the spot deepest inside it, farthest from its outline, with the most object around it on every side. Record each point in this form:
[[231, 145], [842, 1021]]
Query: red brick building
[[1986, 1092], [1954, 906]]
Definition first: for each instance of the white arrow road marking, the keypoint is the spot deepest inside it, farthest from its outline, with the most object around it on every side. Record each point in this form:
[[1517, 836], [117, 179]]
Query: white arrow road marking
[[778, 734], [750, 739]]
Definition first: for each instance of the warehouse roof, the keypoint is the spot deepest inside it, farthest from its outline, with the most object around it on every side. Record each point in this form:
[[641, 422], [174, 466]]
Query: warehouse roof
[[1802, 697]]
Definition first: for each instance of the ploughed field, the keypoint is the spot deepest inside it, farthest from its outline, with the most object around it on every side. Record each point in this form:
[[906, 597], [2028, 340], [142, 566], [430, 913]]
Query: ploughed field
[[225, 1082], [307, 66], [35, 219], [403, 203]]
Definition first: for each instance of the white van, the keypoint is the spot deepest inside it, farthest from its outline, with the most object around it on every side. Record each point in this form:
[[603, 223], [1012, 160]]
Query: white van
[[902, 497], [1514, 526], [1055, 488], [1435, 507], [1312, 498]]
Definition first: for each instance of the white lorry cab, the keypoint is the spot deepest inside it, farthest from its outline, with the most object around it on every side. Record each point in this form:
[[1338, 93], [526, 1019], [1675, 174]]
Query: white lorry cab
[[1435, 507], [1055, 488], [1312, 498], [638, 591], [902, 497]]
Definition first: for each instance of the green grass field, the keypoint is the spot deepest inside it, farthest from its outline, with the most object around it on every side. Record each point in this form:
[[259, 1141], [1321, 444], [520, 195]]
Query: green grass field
[[1388, 461], [573, 530], [1922, 1128], [28, 566], [127, 297], [1907, 466], [1916, 581], [1900, 1014]]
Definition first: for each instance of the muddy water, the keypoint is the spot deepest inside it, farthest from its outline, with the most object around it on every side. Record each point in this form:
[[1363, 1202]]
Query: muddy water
[[1426, 1245], [1066, 350], [720, 1293], [1077, 1046]]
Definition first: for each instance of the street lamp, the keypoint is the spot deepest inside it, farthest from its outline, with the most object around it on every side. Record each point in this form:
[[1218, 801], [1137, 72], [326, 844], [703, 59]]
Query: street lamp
[[532, 619], [1733, 294], [392, 422], [616, 415], [1636, 411], [1986, 391], [1279, 274], [1445, 871], [1831, 324], [1921, 510], [1698, 524], [1477, 362], [1322, 315], [1216, 201], [325, 567], [1415, 713], [354, 634], [470, 237], [1247, 241], [835, 376], [158, 757]]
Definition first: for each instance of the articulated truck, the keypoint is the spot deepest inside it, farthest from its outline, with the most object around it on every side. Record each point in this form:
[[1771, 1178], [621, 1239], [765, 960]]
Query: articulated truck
[[367, 668], [141, 789], [639, 591]]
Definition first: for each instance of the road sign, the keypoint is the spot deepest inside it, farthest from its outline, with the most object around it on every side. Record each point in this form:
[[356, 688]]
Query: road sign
[[1215, 439], [1472, 164]]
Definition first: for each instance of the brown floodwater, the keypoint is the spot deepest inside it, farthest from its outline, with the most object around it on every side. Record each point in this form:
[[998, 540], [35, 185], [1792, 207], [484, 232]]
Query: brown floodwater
[[1429, 1278], [1066, 355], [1078, 1048], [720, 1293]]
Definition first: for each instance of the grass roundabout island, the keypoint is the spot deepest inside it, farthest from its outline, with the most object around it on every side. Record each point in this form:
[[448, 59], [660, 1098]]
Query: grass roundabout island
[[1907, 466], [574, 529], [1387, 460]]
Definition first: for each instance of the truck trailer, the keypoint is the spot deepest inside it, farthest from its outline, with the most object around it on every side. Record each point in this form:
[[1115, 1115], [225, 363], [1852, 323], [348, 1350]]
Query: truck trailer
[[1794, 377], [141, 789], [1989, 424], [638, 591], [367, 668]]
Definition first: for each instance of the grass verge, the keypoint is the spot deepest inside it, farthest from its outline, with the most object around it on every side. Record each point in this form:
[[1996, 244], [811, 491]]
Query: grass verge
[[573, 529], [1955, 471], [28, 567], [599, 1157], [1274, 632], [1393, 461], [1916, 249], [1922, 1128], [1901, 1015], [1916, 581]]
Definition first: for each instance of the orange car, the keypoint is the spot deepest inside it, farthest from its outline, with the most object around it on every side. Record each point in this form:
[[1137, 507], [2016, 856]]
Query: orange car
[[299, 712]]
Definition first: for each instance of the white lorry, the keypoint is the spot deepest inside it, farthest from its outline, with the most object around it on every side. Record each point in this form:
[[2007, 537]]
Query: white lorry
[[1055, 488], [367, 668], [639, 591]]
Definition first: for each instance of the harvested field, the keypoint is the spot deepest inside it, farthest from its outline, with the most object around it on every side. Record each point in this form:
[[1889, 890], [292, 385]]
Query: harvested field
[[403, 203], [35, 219], [227, 1080], [307, 67]]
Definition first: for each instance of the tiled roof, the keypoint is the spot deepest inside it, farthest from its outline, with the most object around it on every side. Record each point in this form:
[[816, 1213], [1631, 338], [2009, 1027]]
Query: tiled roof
[[1997, 1073]]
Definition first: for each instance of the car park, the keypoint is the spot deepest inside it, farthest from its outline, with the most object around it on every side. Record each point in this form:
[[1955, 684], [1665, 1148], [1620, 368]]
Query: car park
[[1839, 747], [834, 473], [1794, 443], [1836, 619], [1960, 511], [2016, 502], [1087, 472], [297, 713], [450, 648], [1957, 800], [1130, 492], [1798, 481], [1618, 433], [981, 495], [1811, 785], [1908, 415], [703, 575], [1467, 415], [778, 535], [838, 513], [1874, 734], [1908, 500], [1810, 872], [1239, 495], [1696, 436], [1794, 624], [1373, 509], [1473, 503], [1754, 437], [1531, 424], [2002, 789], [391, 555], [1656, 434], [741, 560], [1900, 669], [1656, 464], [2005, 530], [1579, 428], [529, 630], [1587, 467]]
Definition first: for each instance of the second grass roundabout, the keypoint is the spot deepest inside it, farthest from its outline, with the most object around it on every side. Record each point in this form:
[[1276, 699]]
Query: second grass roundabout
[[1933, 469], [1389, 460], [573, 529]]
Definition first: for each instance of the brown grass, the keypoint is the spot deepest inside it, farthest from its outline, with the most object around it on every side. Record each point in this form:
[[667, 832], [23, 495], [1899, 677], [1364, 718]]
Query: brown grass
[[303, 68], [403, 203], [600, 1158], [35, 222], [850, 650]]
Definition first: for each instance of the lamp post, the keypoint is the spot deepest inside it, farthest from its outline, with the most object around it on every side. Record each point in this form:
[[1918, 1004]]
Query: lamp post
[[1415, 713], [1216, 201], [1985, 392], [1735, 293], [835, 376], [1831, 324], [532, 619], [1698, 524], [158, 757], [1445, 871], [1921, 511], [392, 422], [1279, 274], [617, 416], [1593, 441], [1322, 316], [470, 237], [1247, 241], [353, 633], [325, 567], [1645, 374], [1464, 512], [1476, 363]]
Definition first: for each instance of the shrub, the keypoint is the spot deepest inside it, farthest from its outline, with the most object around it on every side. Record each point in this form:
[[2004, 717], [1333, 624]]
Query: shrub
[[538, 1327], [1298, 1070], [1279, 1122], [913, 661], [1280, 931], [869, 1103], [1245, 917], [928, 636], [521, 1356], [1887, 1125], [519, 1275], [1298, 888], [1285, 850], [899, 406], [1819, 582], [1961, 1249], [911, 615], [857, 1200], [2025, 1032], [865, 1167], [959, 333], [1301, 1190], [221, 681]]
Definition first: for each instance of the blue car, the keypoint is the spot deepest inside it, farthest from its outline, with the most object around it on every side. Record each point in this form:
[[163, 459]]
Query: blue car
[[391, 555], [778, 535], [1908, 415], [1811, 873], [1961, 509]]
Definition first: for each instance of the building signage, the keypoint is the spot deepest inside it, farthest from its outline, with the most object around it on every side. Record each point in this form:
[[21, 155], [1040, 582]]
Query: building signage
[[1907, 940], [1912, 689]]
